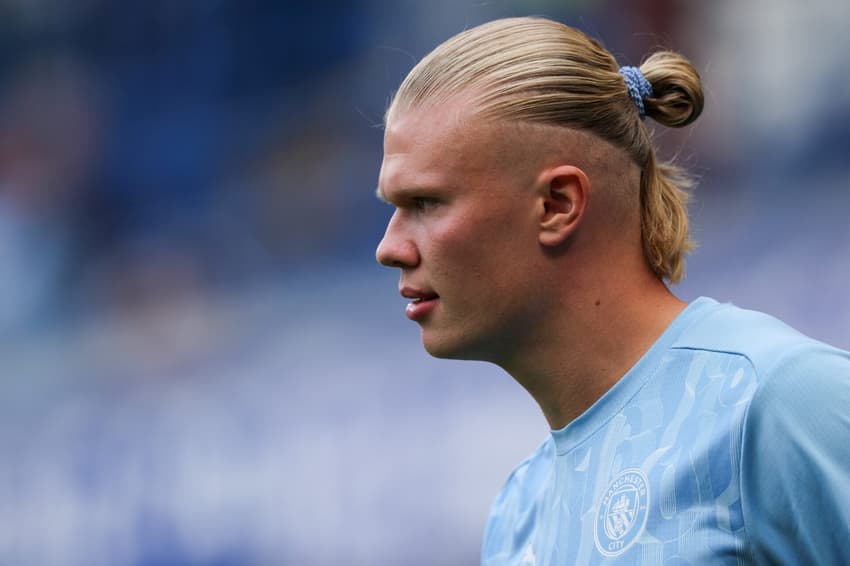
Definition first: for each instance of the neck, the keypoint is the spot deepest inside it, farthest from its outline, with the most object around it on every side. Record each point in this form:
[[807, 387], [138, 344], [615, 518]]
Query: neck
[[589, 346]]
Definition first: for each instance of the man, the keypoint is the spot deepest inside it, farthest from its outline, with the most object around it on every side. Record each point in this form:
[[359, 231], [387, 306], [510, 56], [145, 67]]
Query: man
[[535, 229]]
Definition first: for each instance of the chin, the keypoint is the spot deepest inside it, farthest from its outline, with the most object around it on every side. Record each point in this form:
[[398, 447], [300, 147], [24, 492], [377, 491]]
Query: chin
[[455, 349]]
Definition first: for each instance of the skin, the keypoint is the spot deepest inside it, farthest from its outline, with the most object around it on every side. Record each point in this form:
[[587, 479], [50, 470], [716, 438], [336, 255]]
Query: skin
[[530, 236]]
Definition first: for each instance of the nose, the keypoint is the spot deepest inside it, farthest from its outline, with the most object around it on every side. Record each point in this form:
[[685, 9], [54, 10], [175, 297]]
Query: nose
[[396, 249]]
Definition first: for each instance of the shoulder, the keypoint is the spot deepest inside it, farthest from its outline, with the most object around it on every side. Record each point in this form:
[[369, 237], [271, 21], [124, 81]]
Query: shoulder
[[765, 341], [789, 367], [526, 479], [519, 496], [794, 456], [794, 373]]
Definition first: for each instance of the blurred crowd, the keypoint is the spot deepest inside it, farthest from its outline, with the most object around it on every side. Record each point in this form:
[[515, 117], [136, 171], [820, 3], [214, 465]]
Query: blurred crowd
[[151, 148], [201, 363]]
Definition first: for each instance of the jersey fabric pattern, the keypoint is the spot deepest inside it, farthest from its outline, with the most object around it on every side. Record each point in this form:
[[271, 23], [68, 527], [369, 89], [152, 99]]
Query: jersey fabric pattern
[[727, 443]]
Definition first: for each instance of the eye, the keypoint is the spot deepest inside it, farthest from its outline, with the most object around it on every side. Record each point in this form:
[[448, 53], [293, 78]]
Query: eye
[[423, 204]]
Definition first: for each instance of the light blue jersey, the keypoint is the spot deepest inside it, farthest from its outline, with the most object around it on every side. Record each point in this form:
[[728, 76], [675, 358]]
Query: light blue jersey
[[727, 443]]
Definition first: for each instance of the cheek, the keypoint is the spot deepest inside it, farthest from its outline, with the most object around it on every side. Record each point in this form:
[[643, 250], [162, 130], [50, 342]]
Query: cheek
[[463, 245], [489, 251]]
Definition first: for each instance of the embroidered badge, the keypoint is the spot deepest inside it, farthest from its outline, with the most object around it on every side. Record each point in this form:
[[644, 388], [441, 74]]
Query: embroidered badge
[[622, 512]]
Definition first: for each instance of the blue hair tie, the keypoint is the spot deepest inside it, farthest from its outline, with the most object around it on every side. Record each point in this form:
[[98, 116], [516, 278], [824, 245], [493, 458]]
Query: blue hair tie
[[639, 87]]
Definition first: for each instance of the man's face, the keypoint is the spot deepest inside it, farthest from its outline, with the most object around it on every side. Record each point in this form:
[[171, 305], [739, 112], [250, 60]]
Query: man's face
[[464, 232]]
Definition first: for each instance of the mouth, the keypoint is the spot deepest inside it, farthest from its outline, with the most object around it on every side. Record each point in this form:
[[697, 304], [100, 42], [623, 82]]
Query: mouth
[[421, 304]]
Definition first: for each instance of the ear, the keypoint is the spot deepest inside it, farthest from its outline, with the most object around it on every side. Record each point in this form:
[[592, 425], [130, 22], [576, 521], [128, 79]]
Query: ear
[[564, 193]]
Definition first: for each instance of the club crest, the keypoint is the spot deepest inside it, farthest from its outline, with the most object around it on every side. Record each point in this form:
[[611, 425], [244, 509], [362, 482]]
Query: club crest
[[622, 512]]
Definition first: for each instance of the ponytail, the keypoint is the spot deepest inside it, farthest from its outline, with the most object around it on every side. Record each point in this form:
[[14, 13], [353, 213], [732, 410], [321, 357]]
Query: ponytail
[[676, 101]]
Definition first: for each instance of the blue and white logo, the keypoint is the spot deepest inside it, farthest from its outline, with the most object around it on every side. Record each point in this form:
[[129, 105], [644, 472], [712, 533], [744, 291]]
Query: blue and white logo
[[622, 512]]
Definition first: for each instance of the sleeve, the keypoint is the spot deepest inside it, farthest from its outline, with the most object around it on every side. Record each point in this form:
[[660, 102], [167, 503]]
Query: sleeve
[[795, 463]]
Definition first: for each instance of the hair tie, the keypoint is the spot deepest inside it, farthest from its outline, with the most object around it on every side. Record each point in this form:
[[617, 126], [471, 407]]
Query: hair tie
[[639, 87]]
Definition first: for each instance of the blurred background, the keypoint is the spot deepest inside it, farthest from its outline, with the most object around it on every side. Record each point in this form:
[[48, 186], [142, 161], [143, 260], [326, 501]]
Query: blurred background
[[200, 361]]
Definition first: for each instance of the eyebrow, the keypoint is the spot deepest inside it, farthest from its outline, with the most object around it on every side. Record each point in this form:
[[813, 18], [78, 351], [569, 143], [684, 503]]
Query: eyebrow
[[402, 194]]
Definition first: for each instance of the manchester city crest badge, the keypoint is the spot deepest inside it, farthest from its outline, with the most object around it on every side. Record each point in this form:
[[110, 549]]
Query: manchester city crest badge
[[622, 512]]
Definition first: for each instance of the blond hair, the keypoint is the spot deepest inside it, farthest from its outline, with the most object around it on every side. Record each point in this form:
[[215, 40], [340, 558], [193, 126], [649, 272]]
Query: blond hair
[[537, 70]]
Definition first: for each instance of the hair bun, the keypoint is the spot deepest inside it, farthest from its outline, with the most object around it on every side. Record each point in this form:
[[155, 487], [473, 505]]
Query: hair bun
[[677, 98]]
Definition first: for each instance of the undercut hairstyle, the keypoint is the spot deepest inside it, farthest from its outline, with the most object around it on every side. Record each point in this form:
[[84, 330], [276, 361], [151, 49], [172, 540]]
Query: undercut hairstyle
[[540, 71]]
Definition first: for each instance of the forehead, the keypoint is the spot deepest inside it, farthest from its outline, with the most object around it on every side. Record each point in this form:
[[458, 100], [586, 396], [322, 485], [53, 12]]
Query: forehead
[[444, 145]]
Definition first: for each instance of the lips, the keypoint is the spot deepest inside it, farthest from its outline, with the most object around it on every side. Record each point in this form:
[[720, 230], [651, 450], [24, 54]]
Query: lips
[[421, 304]]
